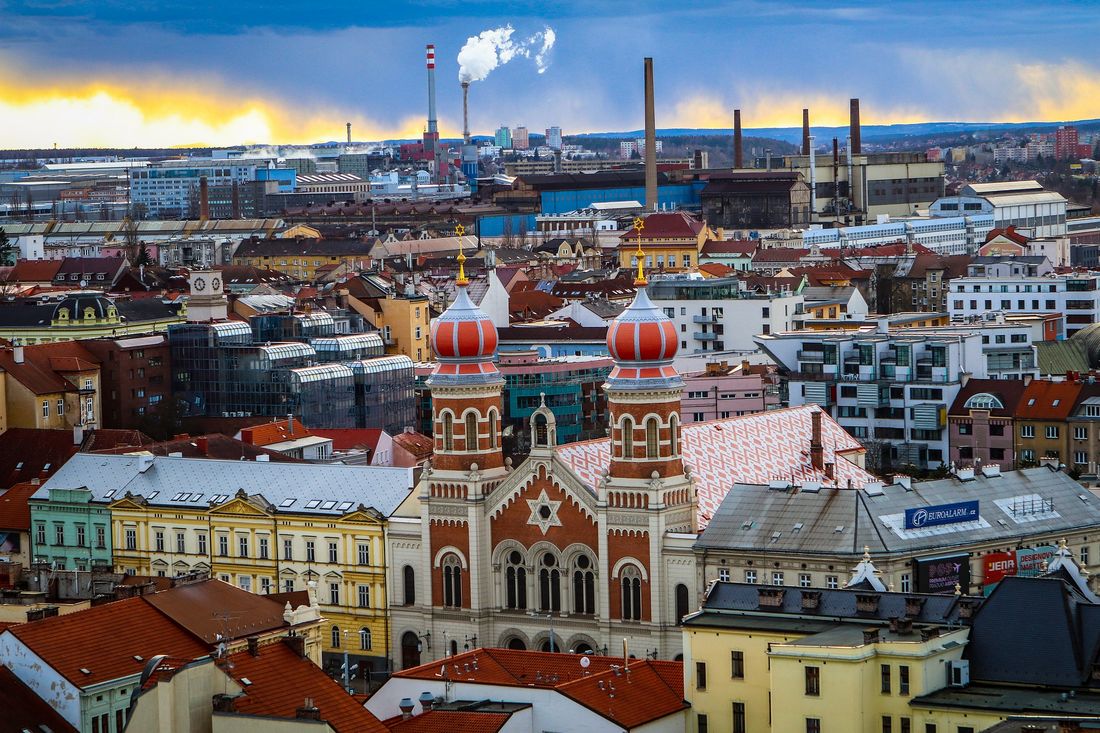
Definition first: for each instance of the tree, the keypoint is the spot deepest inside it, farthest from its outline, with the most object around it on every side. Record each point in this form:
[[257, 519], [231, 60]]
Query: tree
[[8, 251], [135, 250]]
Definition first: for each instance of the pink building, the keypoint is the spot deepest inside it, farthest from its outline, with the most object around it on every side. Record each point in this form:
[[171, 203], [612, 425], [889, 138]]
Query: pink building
[[980, 422], [1065, 143], [728, 391]]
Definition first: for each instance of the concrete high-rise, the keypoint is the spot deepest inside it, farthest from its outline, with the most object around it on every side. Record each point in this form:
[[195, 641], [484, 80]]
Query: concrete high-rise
[[520, 139], [553, 137], [503, 137]]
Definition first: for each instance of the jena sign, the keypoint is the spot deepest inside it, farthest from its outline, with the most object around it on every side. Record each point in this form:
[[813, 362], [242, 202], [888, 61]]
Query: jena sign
[[930, 516]]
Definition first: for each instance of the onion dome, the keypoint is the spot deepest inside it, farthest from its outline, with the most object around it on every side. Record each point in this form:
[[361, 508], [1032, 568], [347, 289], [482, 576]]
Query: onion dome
[[464, 340], [643, 343]]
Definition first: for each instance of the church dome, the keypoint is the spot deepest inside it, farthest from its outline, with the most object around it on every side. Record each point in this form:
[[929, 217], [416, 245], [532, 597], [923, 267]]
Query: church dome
[[463, 332], [642, 333], [77, 306]]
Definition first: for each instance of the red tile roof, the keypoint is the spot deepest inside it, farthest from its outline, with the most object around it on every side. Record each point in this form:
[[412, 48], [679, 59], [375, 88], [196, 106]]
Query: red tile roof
[[449, 721], [730, 246], [673, 225], [1008, 391], [91, 640], [34, 271], [643, 692], [1008, 232], [24, 710], [25, 453], [350, 438], [215, 446], [190, 606], [280, 681], [780, 254], [15, 513], [716, 269], [1045, 400], [418, 444], [276, 431]]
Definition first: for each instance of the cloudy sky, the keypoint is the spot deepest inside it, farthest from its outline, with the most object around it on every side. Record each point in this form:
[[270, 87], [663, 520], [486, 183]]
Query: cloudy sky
[[130, 73]]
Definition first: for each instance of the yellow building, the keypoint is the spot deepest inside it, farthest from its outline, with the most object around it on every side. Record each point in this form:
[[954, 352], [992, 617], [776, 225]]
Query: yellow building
[[403, 320], [301, 257], [264, 526], [85, 315], [768, 658], [671, 242], [50, 386]]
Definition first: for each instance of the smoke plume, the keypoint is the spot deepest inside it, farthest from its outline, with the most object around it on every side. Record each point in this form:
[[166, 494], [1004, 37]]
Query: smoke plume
[[496, 47]]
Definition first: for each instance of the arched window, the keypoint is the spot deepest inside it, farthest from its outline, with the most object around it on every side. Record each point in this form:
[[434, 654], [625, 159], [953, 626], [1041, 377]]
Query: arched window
[[628, 437], [584, 585], [549, 584], [471, 431], [542, 433], [674, 434], [408, 580], [448, 431], [335, 638], [515, 582], [651, 438], [493, 429], [516, 643], [454, 648], [681, 603], [631, 593], [984, 401], [452, 582], [364, 639]]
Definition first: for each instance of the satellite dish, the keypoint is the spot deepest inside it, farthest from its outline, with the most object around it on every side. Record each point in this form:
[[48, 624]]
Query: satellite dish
[[585, 662], [83, 284]]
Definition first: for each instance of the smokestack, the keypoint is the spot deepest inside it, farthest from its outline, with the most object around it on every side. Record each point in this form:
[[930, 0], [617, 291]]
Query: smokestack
[[817, 448], [432, 125], [465, 112], [349, 133], [855, 127], [738, 148], [805, 131], [650, 141], [236, 200], [204, 198], [813, 177], [836, 155]]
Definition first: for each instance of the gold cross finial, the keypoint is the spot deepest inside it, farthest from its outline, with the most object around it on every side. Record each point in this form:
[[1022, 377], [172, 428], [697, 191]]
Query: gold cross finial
[[461, 279], [639, 225]]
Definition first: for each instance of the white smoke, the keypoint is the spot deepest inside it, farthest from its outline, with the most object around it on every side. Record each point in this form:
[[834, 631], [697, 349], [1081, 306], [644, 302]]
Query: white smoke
[[496, 47]]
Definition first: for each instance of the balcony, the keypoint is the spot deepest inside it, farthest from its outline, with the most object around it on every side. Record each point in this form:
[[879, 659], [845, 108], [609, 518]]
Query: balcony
[[812, 357], [704, 336], [929, 416], [705, 319]]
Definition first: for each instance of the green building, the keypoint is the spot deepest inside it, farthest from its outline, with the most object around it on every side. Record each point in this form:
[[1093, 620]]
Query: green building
[[68, 530]]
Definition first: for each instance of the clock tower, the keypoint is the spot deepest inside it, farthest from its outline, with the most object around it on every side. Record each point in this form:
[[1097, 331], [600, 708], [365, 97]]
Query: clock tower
[[207, 301]]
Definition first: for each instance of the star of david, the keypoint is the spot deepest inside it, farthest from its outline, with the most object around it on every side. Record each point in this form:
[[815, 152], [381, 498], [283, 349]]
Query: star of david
[[544, 513]]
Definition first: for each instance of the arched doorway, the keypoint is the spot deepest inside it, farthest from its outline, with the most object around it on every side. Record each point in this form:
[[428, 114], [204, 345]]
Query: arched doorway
[[410, 650], [583, 648], [517, 643]]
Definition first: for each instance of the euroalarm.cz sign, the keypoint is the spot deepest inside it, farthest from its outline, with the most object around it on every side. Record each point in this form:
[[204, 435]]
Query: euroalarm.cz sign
[[930, 516]]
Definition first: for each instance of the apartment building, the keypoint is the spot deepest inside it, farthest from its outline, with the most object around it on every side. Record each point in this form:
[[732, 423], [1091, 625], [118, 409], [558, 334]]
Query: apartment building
[[981, 422], [718, 314], [1042, 433], [1076, 296]]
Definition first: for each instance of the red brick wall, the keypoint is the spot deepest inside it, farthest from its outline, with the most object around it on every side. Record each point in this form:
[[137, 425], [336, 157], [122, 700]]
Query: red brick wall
[[664, 465], [635, 545], [511, 523], [486, 457], [443, 534]]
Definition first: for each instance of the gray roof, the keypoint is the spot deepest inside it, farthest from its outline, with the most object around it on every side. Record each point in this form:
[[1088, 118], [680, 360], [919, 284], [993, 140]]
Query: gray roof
[[323, 489], [838, 294], [843, 521]]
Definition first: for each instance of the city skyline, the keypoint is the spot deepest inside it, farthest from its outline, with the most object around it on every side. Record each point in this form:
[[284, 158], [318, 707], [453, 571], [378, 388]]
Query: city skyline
[[108, 74]]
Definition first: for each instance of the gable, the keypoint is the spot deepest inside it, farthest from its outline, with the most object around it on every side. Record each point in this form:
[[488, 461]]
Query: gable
[[240, 507], [542, 507]]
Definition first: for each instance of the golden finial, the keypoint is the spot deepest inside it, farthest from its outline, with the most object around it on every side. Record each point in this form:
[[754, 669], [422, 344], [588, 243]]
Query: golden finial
[[639, 225], [461, 279]]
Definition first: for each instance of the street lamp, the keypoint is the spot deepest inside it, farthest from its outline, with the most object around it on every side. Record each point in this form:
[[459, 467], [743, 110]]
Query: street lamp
[[550, 617]]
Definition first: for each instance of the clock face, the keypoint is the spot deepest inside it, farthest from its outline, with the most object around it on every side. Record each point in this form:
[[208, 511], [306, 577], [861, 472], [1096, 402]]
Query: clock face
[[200, 284], [216, 283]]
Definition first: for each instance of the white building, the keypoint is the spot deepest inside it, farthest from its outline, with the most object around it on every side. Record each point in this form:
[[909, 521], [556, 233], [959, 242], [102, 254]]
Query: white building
[[1076, 297], [1023, 204], [943, 235]]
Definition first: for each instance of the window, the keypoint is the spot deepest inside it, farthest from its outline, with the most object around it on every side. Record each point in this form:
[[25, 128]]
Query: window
[[1080, 457], [223, 545], [61, 406], [470, 435], [700, 723], [1052, 431], [887, 724], [493, 429], [265, 585], [804, 580], [750, 576], [737, 665], [452, 582], [364, 596], [1027, 431], [777, 578], [334, 594], [628, 437], [80, 539], [201, 537], [549, 584], [181, 542], [332, 552], [1080, 433], [264, 548], [884, 676], [334, 637], [363, 551], [364, 639], [408, 581], [131, 539], [651, 429], [631, 594], [100, 536], [515, 582], [738, 717], [242, 546], [584, 585], [903, 679], [700, 675], [40, 534], [45, 408], [906, 725], [311, 551], [288, 586], [906, 583], [674, 435], [288, 548], [245, 581], [1084, 554], [448, 432], [813, 725], [813, 681]]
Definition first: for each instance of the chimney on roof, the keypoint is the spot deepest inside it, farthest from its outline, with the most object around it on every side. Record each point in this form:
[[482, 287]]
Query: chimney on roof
[[836, 156], [650, 141], [427, 700], [308, 711], [406, 707], [78, 434], [254, 646], [17, 353], [225, 704], [202, 444], [817, 449], [805, 131], [297, 644], [738, 149], [290, 422], [854, 127]]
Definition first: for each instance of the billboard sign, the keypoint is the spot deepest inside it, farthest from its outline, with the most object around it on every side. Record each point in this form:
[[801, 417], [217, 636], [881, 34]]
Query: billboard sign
[[941, 574], [997, 565], [931, 516], [1029, 560]]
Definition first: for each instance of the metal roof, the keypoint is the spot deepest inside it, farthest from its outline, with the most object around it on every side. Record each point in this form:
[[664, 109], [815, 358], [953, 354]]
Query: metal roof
[[295, 488]]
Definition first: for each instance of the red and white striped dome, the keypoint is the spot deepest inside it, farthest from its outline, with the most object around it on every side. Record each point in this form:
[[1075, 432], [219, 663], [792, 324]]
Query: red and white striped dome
[[464, 339], [642, 333]]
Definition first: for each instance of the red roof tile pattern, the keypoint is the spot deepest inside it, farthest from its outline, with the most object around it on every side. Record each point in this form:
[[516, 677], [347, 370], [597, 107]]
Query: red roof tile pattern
[[418, 444], [1008, 391], [449, 721], [638, 694], [276, 431], [673, 225], [1008, 232], [25, 453], [750, 449], [214, 445], [190, 606], [350, 438], [1045, 400], [716, 269], [89, 640], [34, 271], [280, 680], [730, 247], [26, 711], [15, 512], [780, 254]]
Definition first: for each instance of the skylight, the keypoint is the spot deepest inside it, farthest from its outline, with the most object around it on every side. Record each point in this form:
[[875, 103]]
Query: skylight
[[313, 503], [287, 502], [109, 494], [328, 505], [345, 506]]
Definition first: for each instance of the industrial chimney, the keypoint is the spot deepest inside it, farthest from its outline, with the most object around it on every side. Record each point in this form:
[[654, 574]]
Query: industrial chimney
[[466, 112], [738, 149], [432, 124], [855, 127], [805, 131], [650, 141], [204, 198], [349, 133]]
